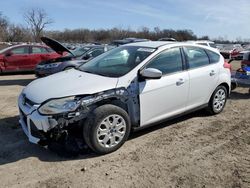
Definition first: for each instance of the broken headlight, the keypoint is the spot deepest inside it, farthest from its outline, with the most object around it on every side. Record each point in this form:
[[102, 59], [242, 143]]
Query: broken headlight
[[57, 106]]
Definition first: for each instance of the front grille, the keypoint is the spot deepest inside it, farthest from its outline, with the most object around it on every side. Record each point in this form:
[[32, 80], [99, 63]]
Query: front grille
[[27, 101]]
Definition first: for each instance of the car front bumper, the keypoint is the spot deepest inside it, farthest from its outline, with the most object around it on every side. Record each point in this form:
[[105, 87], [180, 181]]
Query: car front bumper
[[33, 124]]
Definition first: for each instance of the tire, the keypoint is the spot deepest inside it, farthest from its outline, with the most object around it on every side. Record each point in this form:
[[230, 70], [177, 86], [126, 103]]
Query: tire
[[99, 132], [218, 100]]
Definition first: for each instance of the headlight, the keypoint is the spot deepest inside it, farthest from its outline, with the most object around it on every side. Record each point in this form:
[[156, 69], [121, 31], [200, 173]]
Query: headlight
[[57, 106], [51, 65]]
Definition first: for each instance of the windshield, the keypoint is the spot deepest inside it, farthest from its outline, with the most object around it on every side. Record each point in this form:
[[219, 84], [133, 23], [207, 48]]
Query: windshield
[[80, 51], [118, 61]]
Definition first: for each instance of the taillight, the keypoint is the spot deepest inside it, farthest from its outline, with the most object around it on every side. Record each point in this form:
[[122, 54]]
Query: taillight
[[227, 65]]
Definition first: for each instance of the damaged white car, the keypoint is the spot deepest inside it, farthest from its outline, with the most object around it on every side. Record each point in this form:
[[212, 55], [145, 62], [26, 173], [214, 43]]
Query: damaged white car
[[129, 87]]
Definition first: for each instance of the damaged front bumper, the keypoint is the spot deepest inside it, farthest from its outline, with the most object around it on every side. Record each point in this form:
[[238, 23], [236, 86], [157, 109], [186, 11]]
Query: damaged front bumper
[[33, 124]]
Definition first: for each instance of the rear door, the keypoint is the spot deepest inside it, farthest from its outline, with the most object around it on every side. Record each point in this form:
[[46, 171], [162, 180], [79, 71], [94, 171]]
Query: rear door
[[203, 76], [17, 59], [38, 54], [167, 96]]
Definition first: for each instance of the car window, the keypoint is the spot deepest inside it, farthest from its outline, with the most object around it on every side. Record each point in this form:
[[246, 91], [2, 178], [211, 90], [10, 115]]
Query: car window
[[50, 50], [117, 62], [196, 57], [213, 57], [20, 50], [38, 50], [97, 52], [167, 62]]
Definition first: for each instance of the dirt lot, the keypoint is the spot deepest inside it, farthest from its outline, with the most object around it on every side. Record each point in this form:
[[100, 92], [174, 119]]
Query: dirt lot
[[193, 151]]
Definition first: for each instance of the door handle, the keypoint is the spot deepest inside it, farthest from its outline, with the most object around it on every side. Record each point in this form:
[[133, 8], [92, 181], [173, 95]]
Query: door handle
[[180, 82], [212, 73]]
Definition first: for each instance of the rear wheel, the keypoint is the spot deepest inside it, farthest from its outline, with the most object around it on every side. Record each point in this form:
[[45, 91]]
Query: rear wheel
[[106, 129], [218, 100]]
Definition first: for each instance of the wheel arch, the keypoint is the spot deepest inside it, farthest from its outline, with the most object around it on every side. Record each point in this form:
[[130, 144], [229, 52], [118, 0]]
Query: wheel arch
[[226, 86]]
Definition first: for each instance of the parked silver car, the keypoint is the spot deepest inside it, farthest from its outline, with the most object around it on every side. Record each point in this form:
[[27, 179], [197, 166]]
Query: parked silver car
[[131, 86]]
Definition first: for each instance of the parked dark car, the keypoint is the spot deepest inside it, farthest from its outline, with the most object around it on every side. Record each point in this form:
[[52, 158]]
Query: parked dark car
[[24, 57], [74, 58], [128, 40]]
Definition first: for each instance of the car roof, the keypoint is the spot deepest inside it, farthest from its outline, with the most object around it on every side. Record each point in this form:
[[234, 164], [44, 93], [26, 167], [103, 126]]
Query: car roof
[[164, 44], [200, 41]]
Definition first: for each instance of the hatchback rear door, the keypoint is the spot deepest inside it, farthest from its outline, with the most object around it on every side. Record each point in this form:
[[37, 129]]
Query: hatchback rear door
[[203, 73]]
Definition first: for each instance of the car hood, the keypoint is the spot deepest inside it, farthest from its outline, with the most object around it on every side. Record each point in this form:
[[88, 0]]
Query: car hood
[[67, 83], [56, 46]]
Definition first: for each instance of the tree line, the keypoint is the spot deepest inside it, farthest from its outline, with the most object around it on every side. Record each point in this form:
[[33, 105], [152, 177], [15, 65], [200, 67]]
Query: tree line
[[37, 21]]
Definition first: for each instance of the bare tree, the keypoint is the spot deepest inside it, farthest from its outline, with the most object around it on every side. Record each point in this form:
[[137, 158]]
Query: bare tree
[[4, 23], [38, 20]]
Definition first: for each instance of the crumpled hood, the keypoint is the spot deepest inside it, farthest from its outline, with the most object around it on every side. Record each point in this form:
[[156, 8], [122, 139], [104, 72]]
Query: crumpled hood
[[67, 83]]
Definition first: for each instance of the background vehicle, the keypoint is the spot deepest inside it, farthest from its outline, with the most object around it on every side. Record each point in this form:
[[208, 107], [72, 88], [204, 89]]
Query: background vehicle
[[167, 39], [24, 57], [131, 86], [246, 59], [204, 43], [74, 58], [127, 41]]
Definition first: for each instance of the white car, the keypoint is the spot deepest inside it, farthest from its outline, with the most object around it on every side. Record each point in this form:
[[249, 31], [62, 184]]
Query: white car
[[129, 87]]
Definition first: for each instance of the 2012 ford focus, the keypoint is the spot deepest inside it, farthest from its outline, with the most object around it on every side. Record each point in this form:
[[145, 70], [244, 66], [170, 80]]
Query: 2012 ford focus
[[129, 87]]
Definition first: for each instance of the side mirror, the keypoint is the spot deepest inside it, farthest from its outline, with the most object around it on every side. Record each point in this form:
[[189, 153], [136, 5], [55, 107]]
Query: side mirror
[[151, 73], [8, 54]]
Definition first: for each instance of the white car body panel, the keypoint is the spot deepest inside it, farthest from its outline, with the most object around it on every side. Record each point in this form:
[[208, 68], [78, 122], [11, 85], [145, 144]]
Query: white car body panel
[[67, 83], [203, 81], [163, 98]]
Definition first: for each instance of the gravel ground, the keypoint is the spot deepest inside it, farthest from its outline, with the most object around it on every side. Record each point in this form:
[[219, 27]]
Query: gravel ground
[[196, 150]]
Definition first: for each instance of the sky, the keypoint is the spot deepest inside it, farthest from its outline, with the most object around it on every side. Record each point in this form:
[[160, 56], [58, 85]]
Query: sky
[[216, 18]]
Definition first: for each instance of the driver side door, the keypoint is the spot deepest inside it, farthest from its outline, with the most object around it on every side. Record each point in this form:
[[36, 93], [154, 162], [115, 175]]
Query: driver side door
[[167, 96]]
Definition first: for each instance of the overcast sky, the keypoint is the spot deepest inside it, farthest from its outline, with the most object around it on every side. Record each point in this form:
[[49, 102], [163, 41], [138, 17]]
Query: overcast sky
[[226, 18]]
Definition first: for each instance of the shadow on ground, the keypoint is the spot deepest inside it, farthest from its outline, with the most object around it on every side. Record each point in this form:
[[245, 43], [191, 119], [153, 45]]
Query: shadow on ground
[[20, 82], [238, 96], [15, 145]]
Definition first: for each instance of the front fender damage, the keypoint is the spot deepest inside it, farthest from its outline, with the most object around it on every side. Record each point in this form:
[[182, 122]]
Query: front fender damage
[[67, 133]]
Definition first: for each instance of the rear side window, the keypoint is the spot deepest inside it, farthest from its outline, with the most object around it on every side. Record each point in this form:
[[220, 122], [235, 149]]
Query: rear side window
[[169, 61], [196, 57], [97, 52], [39, 50], [214, 57], [20, 50]]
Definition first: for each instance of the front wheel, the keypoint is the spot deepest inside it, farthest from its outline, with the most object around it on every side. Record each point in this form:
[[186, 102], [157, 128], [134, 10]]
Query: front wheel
[[218, 100], [106, 129]]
